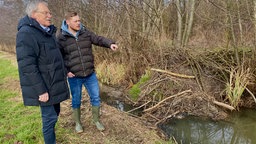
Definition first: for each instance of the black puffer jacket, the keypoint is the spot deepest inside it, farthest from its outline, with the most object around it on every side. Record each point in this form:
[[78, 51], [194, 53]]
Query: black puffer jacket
[[41, 67], [77, 51]]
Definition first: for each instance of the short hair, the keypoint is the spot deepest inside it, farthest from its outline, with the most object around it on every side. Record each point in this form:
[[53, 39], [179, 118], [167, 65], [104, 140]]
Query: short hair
[[33, 6], [70, 14]]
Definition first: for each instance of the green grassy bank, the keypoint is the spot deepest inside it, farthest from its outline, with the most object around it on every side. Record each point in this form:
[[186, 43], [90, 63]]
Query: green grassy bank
[[18, 123]]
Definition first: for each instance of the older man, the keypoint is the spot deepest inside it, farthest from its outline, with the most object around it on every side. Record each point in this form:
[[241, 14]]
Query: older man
[[42, 73]]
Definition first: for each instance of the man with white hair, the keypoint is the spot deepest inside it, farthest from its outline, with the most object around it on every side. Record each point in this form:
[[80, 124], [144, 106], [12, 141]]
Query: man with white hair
[[43, 78]]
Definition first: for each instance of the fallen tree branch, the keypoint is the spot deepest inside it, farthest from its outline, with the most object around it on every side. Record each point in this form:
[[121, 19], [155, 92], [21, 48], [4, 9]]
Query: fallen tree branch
[[186, 91], [224, 105], [173, 74]]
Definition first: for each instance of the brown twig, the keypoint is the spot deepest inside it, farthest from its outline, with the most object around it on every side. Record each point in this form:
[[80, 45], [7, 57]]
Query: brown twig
[[138, 107], [224, 105], [173, 74], [129, 99], [186, 91], [251, 94], [167, 117], [150, 87], [174, 140], [153, 116], [147, 91]]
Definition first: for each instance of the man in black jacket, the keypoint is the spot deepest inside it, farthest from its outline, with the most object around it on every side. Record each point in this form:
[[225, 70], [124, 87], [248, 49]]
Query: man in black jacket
[[42, 72], [75, 43]]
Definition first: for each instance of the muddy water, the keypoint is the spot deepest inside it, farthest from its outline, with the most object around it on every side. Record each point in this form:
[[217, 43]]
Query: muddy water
[[240, 128]]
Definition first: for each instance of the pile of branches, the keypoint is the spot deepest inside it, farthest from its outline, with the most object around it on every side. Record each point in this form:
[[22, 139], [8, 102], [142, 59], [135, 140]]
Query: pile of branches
[[167, 95], [194, 85]]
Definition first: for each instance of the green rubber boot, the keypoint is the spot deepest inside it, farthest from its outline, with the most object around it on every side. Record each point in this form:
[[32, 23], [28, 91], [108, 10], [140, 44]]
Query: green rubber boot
[[76, 117], [96, 117]]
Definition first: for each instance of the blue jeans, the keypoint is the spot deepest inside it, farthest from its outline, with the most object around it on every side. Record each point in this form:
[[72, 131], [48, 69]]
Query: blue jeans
[[49, 118], [92, 86]]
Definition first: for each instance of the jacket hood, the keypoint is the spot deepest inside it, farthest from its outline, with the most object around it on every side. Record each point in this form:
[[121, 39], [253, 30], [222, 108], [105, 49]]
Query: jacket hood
[[27, 21], [65, 31]]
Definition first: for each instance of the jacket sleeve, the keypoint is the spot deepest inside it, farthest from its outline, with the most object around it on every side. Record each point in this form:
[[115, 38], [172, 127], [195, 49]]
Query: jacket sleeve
[[100, 40], [62, 53], [27, 51]]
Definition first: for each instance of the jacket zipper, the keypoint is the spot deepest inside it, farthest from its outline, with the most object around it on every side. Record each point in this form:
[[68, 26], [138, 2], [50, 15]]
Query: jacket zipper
[[81, 57]]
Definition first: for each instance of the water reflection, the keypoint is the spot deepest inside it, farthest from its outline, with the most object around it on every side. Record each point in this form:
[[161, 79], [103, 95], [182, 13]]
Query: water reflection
[[240, 128]]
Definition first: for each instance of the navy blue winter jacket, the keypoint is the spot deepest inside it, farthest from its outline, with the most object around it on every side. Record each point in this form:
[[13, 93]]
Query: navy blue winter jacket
[[40, 64]]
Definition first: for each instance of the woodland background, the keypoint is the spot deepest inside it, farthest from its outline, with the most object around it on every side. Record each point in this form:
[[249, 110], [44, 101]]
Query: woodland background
[[212, 40]]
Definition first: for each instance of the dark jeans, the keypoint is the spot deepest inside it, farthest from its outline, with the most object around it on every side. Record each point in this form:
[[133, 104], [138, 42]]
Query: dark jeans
[[49, 118]]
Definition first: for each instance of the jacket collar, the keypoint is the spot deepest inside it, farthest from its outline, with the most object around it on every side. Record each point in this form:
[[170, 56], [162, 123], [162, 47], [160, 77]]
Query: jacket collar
[[28, 21]]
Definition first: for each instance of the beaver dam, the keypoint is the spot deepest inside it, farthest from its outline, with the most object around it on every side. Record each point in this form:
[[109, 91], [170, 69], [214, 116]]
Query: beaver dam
[[209, 85]]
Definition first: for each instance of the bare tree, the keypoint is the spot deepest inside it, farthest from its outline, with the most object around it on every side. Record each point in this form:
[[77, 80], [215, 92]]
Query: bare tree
[[184, 8]]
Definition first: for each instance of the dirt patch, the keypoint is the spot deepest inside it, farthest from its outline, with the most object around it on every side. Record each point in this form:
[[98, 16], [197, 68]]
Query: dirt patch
[[120, 127], [12, 85], [9, 56]]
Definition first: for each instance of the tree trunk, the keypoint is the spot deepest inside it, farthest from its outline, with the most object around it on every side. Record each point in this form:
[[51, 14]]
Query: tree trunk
[[190, 20], [232, 32], [239, 21], [254, 22], [179, 25]]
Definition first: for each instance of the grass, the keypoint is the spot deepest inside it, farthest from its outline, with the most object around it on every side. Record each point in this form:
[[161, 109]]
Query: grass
[[134, 92], [6, 70], [239, 79], [110, 73], [18, 123]]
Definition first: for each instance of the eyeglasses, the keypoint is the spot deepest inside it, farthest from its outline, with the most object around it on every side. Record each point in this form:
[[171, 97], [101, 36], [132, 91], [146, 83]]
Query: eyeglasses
[[44, 12]]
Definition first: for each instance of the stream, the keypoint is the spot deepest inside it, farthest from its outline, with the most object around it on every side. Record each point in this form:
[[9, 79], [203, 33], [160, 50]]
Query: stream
[[239, 128]]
